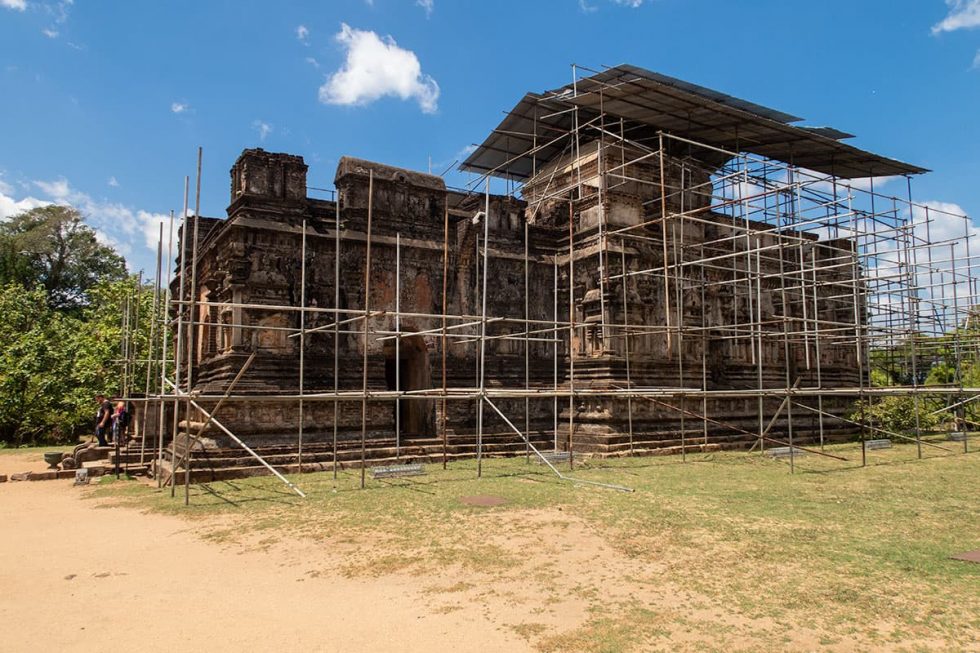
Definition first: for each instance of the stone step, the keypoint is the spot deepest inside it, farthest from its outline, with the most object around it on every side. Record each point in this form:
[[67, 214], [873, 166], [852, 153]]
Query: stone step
[[226, 458]]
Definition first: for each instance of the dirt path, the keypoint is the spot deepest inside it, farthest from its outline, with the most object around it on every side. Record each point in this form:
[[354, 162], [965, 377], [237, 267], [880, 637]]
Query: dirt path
[[80, 573], [13, 462], [77, 577]]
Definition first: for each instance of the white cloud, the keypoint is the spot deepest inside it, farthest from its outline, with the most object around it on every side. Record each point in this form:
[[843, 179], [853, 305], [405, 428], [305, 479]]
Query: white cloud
[[428, 5], [11, 207], [116, 224], [16, 5], [376, 68], [956, 239], [963, 14], [57, 190], [313, 62], [940, 263], [263, 128], [303, 34], [586, 8], [113, 182], [179, 107], [59, 14]]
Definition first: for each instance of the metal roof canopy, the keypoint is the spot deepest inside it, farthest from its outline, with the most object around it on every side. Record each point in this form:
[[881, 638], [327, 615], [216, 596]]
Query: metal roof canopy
[[540, 127]]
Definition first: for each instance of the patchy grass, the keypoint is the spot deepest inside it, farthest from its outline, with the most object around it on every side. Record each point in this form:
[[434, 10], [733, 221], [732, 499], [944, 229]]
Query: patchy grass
[[724, 552]]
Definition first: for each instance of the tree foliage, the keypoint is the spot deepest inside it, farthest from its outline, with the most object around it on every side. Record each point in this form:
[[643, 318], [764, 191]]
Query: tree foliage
[[50, 247], [53, 362], [62, 299], [34, 364], [949, 359]]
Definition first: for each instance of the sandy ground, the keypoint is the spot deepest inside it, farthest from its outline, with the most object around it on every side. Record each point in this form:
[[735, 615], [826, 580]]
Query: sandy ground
[[15, 463], [74, 577], [77, 574]]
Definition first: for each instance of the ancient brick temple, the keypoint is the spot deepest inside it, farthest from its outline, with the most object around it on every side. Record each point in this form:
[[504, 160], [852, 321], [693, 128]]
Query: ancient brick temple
[[626, 306]]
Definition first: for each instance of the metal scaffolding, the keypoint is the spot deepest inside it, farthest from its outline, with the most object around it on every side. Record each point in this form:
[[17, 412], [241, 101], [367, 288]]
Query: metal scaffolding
[[810, 264]]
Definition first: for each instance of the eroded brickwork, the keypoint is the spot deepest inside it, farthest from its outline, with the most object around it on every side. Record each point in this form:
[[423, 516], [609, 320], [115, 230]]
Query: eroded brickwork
[[685, 330]]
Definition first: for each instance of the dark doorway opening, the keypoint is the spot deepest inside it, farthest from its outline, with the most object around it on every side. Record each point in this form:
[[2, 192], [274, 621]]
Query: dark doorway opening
[[406, 372]]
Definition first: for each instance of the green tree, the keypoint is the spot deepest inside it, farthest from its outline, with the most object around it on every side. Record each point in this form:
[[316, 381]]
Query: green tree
[[36, 359], [52, 248], [53, 363]]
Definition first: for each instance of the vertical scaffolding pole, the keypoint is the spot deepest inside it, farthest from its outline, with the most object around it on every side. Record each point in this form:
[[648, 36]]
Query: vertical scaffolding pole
[[787, 312], [626, 346], [663, 235], [367, 318], [124, 346], [960, 424], [908, 239], [858, 319], [181, 345], [151, 346], [398, 341], [571, 333], [971, 298], [527, 351], [336, 328], [165, 337], [554, 348], [816, 342], [192, 327], [483, 331], [445, 340], [704, 351], [302, 349]]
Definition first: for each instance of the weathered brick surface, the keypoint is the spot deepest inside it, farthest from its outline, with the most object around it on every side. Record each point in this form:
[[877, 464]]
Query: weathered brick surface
[[254, 258]]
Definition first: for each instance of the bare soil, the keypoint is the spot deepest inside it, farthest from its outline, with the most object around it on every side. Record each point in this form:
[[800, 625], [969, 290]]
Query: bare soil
[[74, 577], [87, 570]]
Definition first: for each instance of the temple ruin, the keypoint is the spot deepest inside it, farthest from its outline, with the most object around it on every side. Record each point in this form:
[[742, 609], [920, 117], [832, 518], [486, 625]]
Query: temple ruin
[[660, 268]]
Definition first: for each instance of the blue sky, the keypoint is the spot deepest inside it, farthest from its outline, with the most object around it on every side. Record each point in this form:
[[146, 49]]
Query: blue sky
[[104, 103]]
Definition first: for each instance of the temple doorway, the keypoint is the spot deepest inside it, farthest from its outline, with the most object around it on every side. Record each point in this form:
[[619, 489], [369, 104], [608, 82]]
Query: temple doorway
[[415, 415]]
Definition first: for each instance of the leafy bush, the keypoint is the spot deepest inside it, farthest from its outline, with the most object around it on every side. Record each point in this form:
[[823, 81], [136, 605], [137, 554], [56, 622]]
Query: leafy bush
[[896, 414]]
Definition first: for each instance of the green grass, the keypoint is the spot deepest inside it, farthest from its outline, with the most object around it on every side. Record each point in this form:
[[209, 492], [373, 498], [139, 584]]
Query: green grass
[[842, 555]]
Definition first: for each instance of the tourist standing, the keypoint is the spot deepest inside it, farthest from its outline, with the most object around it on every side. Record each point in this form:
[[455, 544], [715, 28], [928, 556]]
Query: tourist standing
[[103, 419], [120, 423]]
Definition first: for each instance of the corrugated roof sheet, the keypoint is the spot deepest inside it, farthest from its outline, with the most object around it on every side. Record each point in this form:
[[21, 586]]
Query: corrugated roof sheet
[[539, 127]]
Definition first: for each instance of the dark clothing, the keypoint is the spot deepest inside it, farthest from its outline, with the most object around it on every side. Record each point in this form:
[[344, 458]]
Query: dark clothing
[[103, 422], [120, 422]]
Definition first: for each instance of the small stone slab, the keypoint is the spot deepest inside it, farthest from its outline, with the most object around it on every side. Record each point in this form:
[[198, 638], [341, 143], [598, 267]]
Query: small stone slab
[[552, 457], [968, 556], [878, 444], [3, 478], [956, 436], [393, 471], [784, 452], [21, 476], [483, 500]]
